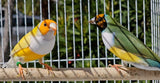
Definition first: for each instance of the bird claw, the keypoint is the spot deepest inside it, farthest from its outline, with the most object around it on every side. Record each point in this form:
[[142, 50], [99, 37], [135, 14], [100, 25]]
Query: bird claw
[[116, 66], [21, 72], [48, 68]]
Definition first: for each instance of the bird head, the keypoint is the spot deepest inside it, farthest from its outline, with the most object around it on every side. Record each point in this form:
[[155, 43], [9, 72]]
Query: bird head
[[47, 25], [99, 21]]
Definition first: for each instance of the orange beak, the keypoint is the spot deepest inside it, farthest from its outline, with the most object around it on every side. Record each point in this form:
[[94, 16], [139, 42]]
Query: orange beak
[[53, 26]]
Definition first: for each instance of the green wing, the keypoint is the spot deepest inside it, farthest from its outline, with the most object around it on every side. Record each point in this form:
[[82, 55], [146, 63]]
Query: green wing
[[127, 41]]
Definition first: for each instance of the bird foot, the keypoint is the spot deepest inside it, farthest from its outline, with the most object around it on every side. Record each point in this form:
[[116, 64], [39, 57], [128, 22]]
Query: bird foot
[[21, 71], [116, 66], [48, 68]]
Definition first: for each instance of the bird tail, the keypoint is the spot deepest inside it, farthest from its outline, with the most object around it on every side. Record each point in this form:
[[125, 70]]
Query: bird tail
[[10, 64]]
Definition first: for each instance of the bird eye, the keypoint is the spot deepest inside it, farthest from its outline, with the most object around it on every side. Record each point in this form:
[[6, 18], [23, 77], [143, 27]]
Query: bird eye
[[99, 19], [45, 24]]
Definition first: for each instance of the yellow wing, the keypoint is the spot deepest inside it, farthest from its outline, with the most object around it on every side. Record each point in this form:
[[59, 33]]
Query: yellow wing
[[24, 42], [127, 56], [28, 55]]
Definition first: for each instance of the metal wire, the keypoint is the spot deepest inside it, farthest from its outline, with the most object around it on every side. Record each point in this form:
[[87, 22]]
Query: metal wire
[[57, 34], [144, 25], [156, 26], [2, 49], [89, 29], [136, 18], [155, 35], [41, 21], [17, 20], [159, 28], [65, 25], [25, 18], [33, 22], [153, 27], [40, 9], [128, 15], [144, 19], [98, 55], [25, 24], [49, 17], [32, 13], [9, 23], [112, 8], [136, 22], [112, 5], [120, 13], [106, 61], [81, 32], [151, 24], [97, 35], [74, 54]]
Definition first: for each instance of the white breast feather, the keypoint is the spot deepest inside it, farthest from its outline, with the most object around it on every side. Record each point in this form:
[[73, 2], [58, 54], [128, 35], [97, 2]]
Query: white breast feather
[[42, 45], [108, 39]]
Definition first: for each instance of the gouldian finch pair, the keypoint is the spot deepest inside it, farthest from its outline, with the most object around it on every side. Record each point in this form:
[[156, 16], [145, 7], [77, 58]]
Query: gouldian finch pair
[[40, 41], [33, 46], [124, 44]]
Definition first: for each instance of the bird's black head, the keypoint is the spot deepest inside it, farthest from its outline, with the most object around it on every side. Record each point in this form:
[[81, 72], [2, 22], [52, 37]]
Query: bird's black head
[[100, 21]]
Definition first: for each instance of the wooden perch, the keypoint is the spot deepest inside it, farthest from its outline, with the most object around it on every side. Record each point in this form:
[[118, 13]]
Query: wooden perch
[[79, 74]]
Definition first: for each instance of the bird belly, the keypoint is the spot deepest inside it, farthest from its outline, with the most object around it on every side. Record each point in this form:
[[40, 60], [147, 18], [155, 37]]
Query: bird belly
[[108, 39], [26, 55], [127, 56]]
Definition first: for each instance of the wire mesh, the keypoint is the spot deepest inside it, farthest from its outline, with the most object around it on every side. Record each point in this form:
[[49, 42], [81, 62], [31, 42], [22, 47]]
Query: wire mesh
[[77, 43]]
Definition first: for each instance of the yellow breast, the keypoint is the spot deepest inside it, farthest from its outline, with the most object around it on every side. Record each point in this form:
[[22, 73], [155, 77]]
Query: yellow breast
[[127, 56], [27, 55]]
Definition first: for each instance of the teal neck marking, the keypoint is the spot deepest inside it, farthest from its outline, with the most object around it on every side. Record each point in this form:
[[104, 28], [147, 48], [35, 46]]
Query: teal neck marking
[[105, 15]]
